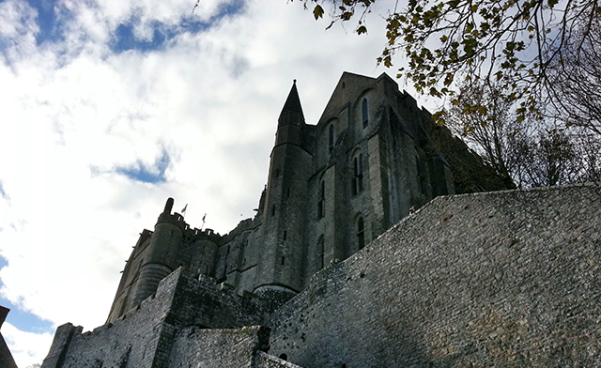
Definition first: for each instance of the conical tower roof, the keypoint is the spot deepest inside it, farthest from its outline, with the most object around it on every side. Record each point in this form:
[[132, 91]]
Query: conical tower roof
[[292, 112]]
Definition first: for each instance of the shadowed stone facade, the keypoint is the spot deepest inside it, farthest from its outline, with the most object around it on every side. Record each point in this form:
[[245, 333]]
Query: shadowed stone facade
[[332, 188], [507, 279]]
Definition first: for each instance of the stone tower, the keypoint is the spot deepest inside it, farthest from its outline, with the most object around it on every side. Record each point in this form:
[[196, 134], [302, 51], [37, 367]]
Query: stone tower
[[331, 189], [282, 258]]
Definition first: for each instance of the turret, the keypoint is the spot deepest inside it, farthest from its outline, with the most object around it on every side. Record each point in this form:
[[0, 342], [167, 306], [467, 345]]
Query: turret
[[291, 120], [162, 258], [281, 267]]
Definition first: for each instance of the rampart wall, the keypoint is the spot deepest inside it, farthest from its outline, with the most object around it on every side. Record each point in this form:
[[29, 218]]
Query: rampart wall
[[145, 336], [202, 348], [504, 279]]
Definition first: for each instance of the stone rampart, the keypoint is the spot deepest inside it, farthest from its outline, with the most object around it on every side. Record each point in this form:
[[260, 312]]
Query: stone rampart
[[145, 335], [264, 360], [503, 279], [232, 348]]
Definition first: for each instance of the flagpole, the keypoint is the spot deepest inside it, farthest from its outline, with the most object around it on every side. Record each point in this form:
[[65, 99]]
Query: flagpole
[[184, 211]]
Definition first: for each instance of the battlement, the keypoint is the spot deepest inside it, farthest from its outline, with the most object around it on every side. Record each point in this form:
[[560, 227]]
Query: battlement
[[194, 234]]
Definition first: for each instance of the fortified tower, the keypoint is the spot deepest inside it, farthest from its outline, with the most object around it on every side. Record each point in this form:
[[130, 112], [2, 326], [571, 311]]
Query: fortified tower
[[173, 244], [282, 258], [162, 254]]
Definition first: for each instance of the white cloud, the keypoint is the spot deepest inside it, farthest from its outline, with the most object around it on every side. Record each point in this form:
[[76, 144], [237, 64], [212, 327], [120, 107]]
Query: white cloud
[[73, 112], [27, 348]]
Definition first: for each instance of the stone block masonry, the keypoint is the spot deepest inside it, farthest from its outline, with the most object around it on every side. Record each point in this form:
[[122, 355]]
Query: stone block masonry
[[504, 279], [145, 336]]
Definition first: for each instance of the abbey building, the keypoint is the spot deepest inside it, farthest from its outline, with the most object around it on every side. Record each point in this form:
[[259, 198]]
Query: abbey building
[[332, 188], [360, 256]]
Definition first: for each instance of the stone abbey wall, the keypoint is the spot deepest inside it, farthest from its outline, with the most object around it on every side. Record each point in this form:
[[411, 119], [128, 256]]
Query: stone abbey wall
[[187, 320], [504, 279]]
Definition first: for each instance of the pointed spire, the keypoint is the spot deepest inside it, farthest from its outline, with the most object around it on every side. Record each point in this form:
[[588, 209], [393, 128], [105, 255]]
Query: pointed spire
[[292, 113]]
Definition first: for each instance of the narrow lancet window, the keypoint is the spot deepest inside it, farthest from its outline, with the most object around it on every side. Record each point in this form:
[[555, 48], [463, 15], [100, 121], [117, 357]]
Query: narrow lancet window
[[357, 174], [364, 113], [360, 232], [320, 253], [321, 204], [331, 138]]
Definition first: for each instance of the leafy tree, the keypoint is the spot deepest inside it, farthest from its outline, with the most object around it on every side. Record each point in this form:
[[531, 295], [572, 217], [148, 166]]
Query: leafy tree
[[524, 153], [514, 42], [576, 77], [493, 135], [548, 159]]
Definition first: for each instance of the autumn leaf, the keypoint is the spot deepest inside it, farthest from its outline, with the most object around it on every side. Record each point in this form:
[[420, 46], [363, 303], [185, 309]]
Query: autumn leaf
[[318, 12]]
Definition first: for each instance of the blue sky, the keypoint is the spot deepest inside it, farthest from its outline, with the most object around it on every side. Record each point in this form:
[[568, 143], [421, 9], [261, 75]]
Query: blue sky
[[109, 107], [22, 319]]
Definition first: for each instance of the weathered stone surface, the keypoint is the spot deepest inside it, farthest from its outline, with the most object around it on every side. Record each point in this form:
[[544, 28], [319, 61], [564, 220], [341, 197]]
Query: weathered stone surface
[[504, 279], [144, 337]]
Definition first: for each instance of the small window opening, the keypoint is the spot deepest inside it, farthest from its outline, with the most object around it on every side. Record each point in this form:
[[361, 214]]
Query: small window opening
[[364, 113], [283, 260], [360, 232], [273, 210], [320, 252], [321, 204], [277, 173], [288, 193], [285, 234], [331, 138], [283, 356], [357, 174], [420, 174]]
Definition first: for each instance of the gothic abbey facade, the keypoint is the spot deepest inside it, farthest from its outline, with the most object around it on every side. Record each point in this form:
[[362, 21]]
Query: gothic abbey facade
[[358, 257], [332, 188]]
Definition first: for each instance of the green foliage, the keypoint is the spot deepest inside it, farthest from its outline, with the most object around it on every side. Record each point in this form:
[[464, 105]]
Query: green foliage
[[511, 42]]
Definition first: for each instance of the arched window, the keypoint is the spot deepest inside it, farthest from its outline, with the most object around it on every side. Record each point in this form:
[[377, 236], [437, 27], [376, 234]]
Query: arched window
[[360, 232], [320, 253], [364, 113], [321, 203], [331, 137], [357, 174]]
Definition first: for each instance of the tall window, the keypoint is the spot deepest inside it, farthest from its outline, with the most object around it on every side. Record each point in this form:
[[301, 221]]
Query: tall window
[[360, 232], [357, 174], [320, 253], [420, 174], [321, 204], [364, 113], [331, 138]]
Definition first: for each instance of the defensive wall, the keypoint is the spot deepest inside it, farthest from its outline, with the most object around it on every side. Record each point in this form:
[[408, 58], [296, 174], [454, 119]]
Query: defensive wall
[[187, 319], [503, 279]]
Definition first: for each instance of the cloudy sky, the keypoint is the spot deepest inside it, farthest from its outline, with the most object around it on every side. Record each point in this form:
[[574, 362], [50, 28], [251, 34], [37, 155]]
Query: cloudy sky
[[109, 107]]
